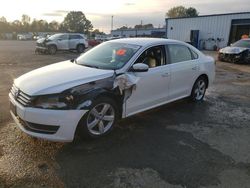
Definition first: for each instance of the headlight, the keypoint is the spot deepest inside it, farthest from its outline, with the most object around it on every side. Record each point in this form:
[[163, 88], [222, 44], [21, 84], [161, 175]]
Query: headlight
[[50, 102]]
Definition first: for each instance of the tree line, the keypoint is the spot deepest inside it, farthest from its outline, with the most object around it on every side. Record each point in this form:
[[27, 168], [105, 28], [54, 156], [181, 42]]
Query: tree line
[[74, 21]]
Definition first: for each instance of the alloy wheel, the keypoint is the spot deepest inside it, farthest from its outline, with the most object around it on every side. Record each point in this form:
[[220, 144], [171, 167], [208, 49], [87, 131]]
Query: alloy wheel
[[100, 118], [200, 90]]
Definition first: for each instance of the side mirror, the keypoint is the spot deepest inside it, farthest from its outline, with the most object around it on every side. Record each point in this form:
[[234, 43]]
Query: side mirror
[[139, 67]]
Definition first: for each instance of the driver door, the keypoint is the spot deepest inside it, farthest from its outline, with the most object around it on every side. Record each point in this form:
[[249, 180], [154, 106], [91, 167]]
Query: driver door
[[152, 87], [63, 42]]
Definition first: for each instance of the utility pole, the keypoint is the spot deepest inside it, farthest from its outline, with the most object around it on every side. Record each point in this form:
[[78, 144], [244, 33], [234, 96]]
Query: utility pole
[[112, 17]]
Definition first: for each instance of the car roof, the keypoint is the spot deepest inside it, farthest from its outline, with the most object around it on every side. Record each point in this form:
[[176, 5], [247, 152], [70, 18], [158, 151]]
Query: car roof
[[146, 41]]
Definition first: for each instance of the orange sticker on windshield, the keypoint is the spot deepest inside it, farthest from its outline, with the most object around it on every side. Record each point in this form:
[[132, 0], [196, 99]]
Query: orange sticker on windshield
[[121, 52]]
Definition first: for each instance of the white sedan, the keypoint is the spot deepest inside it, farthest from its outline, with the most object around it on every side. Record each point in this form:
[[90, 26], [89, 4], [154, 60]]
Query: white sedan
[[114, 80]]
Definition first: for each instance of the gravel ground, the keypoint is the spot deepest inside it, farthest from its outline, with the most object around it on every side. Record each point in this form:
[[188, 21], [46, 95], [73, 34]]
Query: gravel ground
[[177, 145]]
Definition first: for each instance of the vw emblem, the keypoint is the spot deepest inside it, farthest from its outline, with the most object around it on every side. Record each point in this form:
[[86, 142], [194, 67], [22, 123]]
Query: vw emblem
[[17, 93]]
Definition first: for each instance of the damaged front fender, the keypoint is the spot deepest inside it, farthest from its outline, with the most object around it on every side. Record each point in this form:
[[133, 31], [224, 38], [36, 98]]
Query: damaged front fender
[[118, 87]]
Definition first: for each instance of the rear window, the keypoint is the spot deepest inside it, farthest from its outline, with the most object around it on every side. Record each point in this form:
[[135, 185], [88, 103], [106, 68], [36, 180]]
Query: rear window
[[179, 53]]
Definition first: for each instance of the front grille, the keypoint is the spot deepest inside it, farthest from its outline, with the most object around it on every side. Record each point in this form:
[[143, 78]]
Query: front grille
[[40, 44], [20, 96]]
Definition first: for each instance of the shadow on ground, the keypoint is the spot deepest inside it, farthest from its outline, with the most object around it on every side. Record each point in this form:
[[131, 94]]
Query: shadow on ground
[[144, 141]]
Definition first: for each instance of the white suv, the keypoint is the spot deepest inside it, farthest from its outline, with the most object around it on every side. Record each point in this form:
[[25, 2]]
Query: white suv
[[113, 80], [62, 41]]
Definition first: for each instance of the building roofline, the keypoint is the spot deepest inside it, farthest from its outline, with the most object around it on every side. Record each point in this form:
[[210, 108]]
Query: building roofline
[[133, 29], [209, 15]]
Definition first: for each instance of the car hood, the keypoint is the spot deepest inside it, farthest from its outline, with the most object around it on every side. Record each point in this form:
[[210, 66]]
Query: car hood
[[232, 50], [58, 77], [41, 40]]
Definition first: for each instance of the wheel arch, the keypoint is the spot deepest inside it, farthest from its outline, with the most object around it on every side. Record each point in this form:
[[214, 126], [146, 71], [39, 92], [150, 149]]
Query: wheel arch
[[80, 44], [205, 76], [114, 96]]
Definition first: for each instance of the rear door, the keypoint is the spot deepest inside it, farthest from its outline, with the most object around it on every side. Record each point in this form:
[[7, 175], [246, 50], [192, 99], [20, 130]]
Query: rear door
[[152, 87], [183, 68]]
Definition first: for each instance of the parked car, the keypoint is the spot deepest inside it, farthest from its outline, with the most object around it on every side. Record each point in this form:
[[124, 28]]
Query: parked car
[[94, 42], [238, 52], [113, 80], [25, 36], [62, 41]]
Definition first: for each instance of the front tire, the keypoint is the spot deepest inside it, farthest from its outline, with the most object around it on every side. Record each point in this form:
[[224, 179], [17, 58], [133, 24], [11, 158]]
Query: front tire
[[100, 119], [52, 49], [199, 89], [80, 48]]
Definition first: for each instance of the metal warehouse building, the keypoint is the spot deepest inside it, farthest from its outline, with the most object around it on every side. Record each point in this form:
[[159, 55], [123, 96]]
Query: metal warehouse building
[[210, 31]]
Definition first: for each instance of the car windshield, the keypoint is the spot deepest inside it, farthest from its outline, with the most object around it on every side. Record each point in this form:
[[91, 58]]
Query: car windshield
[[108, 55], [242, 43], [55, 36]]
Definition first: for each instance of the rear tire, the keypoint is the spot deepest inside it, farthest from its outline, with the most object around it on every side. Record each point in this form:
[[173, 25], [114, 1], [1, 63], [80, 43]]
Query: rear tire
[[199, 89], [100, 119]]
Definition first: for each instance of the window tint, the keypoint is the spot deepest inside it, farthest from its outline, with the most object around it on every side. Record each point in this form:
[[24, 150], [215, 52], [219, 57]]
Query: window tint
[[71, 37], [179, 53], [153, 57], [108, 55], [64, 37]]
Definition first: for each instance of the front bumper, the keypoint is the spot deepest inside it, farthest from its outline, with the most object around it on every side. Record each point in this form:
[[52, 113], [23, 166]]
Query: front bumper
[[54, 125], [41, 49]]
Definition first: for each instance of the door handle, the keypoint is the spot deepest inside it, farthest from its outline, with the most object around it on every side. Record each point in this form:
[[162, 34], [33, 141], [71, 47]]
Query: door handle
[[165, 74], [194, 68]]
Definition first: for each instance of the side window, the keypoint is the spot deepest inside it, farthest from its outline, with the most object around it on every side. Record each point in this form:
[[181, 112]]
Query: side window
[[64, 37], [179, 53], [72, 37], [153, 57]]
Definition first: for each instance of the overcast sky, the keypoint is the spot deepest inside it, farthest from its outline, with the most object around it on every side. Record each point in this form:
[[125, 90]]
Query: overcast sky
[[126, 12]]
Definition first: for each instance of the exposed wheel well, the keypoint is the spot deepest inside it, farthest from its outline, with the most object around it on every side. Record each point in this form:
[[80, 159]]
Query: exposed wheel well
[[53, 45], [117, 98], [80, 44]]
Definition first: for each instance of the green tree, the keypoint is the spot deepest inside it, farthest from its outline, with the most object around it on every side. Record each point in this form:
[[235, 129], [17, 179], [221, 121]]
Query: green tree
[[146, 26], [54, 26], [181, 11], [122, 28], [4, 25], [16, 26], [191, 12], [3, 19], [25, 23], [75, 21], [25, 19]]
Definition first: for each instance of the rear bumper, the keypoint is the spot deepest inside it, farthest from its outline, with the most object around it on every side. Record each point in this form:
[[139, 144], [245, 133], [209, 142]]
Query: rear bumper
[[54, 125]]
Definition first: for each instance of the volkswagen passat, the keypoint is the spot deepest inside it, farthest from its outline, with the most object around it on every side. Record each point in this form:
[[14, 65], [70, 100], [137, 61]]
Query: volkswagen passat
[[114, 80]]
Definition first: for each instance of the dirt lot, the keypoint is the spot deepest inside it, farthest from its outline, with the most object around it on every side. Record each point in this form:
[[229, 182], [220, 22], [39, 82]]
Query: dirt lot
[[178, 145]]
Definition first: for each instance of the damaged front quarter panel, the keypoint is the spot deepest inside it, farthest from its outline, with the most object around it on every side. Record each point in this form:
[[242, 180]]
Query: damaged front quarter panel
[[118, 87]]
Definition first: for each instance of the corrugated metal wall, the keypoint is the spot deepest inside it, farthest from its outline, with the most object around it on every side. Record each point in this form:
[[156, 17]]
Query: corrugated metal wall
[[210, 27]]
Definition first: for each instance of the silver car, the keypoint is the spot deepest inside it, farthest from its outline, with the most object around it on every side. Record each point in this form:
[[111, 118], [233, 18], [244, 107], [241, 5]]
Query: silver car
[[62, 41], [238, 52]]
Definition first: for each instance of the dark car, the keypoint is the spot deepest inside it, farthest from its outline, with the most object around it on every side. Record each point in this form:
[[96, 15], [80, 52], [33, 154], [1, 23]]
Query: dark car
[[238, 52]]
